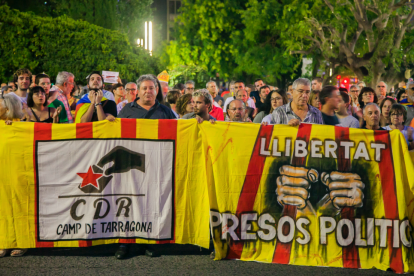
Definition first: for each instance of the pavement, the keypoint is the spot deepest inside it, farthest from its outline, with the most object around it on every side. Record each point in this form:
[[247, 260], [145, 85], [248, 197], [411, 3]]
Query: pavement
[[174, 260]]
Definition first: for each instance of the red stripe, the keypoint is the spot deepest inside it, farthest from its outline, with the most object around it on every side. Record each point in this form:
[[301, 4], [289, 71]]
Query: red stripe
[[282, 250], [250, 186], [128, 128], [84, 131], [42, 131], [350, 257], [386, 167], [167, 130]]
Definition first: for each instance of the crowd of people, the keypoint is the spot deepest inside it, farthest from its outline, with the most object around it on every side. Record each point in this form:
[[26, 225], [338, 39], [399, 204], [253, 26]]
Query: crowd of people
[[32, 98]]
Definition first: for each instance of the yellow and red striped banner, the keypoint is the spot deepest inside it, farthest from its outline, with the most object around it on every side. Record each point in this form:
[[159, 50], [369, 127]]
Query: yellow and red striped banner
[[313, 195], [18, 189], [250, 190]]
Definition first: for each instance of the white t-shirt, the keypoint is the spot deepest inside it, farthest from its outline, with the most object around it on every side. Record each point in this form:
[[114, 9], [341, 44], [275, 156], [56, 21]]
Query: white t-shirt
[[120, 105], [250, 103], [21, 99]]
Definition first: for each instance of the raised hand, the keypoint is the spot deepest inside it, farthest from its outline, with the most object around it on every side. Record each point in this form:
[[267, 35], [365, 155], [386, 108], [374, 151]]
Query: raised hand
[[124, 160], [99, 96], [57, 112], [293, 184], [92, 96]]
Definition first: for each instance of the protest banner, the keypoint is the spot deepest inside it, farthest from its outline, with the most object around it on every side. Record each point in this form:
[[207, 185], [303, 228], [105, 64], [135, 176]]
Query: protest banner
[[314, 195], [87, 184]]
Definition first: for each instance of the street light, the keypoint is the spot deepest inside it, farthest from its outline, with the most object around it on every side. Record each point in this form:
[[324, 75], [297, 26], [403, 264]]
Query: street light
[[150, 38], [146, 35]]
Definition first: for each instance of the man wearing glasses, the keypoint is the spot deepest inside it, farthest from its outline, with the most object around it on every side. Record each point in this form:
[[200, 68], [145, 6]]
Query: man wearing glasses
[[189, 87], [408, 102], [131, 95], [298, 111], [237, 112], [381, 91], [354, 93]]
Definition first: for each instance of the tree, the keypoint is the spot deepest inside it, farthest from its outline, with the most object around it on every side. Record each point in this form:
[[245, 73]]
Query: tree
[[371, 38], [127, 16], [232, 38], [46, 44]]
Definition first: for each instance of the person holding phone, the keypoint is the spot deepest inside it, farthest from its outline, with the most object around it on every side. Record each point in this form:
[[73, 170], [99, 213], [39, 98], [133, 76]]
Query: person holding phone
[[94, 106]]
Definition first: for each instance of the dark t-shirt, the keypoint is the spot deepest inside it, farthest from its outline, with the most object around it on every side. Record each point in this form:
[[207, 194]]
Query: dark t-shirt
[[330, 120], [259, 104], [109, 107], [157, 111]]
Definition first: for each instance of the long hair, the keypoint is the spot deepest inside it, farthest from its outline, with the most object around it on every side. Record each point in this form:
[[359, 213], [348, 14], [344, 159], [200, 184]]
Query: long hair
[[267, 105], [13, 105]]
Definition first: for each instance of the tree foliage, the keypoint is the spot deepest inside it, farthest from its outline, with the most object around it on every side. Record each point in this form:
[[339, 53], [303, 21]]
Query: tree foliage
[[127, 16], [45, 44], [233, 38], [372, 38]]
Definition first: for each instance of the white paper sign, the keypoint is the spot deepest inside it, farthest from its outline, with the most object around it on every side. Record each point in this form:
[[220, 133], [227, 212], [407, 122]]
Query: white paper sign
[[104, 189], [110, 77]]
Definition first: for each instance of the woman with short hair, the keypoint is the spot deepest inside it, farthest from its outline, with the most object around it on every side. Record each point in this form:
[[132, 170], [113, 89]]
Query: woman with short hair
[[314, 100], [184, 105], [398, 115], [38, 110]]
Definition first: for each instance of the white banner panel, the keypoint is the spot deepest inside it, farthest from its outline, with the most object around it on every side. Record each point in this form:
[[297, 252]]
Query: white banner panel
[[98, 189]]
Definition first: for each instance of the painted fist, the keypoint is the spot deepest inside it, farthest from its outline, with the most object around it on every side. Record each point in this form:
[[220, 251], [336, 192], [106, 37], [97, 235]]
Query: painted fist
[[345, 189], [293, 184]]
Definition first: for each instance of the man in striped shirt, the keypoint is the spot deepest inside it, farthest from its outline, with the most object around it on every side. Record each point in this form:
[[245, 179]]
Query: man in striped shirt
[[65, 82], [298, 111]]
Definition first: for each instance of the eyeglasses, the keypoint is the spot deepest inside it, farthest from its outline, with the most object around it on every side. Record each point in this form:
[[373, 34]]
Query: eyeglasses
[[275, 99], [354, 91], [396, 114], [130, 90], [234, 109]]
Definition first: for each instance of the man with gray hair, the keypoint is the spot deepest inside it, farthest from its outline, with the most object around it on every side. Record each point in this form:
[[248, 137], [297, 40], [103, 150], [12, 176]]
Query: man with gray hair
[[189, 87], [298, 111], [65, 82], [361, 85], [203, 103], [381, 91], [131, 95], [372, 114], [408, 102], [146, 106]]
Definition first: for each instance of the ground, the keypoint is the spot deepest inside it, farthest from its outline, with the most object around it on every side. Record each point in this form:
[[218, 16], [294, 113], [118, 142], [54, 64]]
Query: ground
[[175, 260]]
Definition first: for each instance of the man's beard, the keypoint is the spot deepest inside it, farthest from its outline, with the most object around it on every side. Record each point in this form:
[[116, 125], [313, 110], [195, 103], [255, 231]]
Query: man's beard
[[96, 89]]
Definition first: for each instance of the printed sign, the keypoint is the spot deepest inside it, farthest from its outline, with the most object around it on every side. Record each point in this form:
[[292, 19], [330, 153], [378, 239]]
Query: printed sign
[[110, 77]]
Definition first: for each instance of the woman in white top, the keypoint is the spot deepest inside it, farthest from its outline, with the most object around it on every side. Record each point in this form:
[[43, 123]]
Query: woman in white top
[[273, 100], [398, 115]]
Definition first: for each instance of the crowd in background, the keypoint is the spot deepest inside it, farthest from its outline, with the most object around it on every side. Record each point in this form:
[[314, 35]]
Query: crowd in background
[[33, 98]]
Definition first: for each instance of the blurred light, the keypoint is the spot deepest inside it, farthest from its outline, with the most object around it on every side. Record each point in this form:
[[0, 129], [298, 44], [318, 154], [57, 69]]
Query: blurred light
[[150, 38], [146, 35], [338, 77]]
